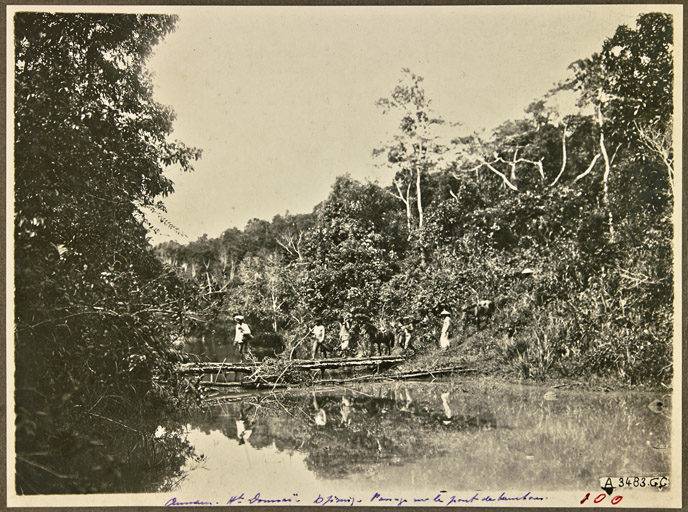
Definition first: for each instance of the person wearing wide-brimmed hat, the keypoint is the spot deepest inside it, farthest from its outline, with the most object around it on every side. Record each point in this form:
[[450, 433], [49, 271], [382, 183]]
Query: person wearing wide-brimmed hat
[[242, 335], [345, 332], [446, 321]]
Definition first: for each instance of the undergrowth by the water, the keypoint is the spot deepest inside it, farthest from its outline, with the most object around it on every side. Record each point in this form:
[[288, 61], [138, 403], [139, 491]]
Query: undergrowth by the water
[[525, 360]]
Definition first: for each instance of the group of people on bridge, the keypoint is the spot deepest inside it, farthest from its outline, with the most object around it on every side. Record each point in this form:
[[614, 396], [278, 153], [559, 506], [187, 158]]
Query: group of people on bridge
[[355, 330], [352, 331]]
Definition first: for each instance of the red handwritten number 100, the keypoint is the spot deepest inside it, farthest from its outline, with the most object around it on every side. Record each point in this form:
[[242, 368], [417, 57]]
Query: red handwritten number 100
[[600, 498]]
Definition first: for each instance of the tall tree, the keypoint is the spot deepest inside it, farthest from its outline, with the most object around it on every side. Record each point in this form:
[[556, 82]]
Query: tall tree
[[415, 150]]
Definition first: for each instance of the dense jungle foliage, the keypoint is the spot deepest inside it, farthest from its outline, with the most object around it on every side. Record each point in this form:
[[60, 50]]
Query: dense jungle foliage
[[94, 309], [585, 201], [582, 203]]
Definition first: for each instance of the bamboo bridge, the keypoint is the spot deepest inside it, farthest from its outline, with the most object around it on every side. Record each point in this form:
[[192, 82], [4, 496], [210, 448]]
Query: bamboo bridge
[[296, 364], [256, 375]]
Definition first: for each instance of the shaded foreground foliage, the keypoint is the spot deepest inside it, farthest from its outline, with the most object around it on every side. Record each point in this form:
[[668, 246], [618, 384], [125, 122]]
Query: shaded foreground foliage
[[95, 311], [582, 202]]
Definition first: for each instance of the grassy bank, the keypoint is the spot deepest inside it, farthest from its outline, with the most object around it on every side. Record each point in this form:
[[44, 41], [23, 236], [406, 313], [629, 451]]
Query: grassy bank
[[495, 356]]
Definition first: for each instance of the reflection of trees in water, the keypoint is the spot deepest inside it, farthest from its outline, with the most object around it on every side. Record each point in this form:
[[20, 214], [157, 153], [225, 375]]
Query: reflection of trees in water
[[343, 433], [137, 457], [445, 431], [215, 344]]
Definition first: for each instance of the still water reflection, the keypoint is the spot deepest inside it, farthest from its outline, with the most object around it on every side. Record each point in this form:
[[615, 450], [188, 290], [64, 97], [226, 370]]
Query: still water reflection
[[217, 345], [467, 434]]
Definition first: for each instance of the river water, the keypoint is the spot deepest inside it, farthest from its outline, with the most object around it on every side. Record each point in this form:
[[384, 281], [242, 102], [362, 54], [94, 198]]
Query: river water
[[457, 433]]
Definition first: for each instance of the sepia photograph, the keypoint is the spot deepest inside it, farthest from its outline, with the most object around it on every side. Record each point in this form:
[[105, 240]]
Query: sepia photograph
[[313, 256]]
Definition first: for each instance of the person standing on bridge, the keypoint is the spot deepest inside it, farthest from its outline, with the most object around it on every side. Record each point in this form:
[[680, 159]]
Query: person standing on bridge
[[345, 333], [406, 324], [444, 337], [319, 339], [242, 336]]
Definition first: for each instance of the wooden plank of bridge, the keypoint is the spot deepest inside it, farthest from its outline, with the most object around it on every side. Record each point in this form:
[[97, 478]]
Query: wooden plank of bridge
[[346, 363], [296, 364], [212, 367]]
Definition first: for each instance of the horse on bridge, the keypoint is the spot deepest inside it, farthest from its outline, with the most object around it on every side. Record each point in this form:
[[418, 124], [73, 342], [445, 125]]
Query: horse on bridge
[[379, 338]]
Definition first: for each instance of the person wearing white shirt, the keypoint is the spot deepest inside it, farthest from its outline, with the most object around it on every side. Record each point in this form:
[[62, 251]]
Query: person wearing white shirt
[[444, 337], [319, 339], [242, 335]]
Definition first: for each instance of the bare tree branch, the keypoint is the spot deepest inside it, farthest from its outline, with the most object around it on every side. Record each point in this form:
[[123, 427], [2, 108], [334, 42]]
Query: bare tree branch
[[563, 156], [589, 169], [500, 174], [512, 164], [291, 243], [406, 200], [515, 161], [537, 164]]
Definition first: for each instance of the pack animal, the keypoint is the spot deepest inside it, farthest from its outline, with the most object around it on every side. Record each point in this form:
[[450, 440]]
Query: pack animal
[[481, 310], [378, 338]]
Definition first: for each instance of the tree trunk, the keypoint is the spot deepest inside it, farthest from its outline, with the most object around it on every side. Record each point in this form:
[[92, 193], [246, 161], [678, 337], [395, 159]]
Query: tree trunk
[[407, 203], [607, 170], [563, 157], [206, 264], [419, 199], [296, 365], [512, 164], [274, 311]]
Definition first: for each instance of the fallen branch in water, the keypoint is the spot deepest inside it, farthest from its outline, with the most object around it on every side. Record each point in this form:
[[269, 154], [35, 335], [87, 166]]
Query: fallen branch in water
[[44, 468], [113, 421]]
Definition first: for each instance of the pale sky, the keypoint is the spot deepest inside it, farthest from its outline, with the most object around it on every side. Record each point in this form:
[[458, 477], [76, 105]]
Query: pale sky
[[282, 99]]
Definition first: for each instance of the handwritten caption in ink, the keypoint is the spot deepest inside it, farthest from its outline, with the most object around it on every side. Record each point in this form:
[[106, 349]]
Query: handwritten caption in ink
[[440, 499]]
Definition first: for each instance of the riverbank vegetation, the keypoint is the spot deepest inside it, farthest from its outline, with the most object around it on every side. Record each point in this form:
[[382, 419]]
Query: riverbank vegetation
[[95, 311], [563, 221]]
